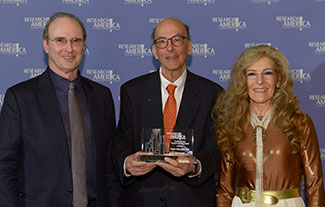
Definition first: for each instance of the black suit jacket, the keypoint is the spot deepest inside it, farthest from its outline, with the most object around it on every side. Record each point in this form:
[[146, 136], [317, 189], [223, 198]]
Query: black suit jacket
[[35, 166], [141, 107]]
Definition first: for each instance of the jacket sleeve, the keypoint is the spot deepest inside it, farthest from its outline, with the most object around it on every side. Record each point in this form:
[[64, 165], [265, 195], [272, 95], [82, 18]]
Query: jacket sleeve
[[208, 154], [226, 183], [312, 165], [10, 150], [113, 184], [123, 141]]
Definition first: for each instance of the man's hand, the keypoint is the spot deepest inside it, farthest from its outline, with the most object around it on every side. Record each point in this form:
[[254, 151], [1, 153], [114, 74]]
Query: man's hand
[[137, 168], [175, 168]]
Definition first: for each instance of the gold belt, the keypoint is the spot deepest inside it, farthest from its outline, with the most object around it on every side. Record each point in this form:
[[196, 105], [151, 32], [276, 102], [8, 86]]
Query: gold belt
[[268, 197]]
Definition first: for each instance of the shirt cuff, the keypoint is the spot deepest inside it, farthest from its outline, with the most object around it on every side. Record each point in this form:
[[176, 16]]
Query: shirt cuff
[[124, 169], [194, 173]]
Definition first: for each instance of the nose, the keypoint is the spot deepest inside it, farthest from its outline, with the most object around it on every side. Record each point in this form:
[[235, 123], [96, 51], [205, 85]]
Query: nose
[[170, 45], [69, 46], [259, 78]]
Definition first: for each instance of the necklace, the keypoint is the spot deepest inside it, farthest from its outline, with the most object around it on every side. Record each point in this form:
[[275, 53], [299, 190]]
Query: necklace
[[255, 131], [259, 136]]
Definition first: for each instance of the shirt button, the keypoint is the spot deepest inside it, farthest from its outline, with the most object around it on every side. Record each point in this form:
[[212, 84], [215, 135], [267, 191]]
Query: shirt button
[[69, 190]]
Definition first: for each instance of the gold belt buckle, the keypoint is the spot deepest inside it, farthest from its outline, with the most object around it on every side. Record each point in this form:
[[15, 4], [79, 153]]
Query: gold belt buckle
[[245, 195], [266, 197], [273, 197], [269, 199]]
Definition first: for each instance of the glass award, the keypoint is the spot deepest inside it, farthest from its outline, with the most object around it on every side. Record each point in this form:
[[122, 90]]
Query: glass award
[[161, 143]]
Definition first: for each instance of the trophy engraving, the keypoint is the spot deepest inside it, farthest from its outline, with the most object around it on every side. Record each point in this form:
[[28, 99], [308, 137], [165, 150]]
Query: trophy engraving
[[179, 146]]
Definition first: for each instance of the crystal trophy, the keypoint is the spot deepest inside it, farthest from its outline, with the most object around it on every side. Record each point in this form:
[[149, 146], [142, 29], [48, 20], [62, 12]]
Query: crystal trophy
[[175, 144]]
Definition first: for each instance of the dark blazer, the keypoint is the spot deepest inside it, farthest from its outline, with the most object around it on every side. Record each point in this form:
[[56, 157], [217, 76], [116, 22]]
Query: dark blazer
[[141, 107], [34, 156]]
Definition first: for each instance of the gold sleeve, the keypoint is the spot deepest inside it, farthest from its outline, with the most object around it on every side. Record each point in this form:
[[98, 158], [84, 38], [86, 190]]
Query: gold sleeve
[[312, 165], [226, 184]]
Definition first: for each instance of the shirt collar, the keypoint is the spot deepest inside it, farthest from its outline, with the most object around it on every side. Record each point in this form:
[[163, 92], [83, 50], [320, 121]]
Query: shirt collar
[[63, 83], [180, 82]]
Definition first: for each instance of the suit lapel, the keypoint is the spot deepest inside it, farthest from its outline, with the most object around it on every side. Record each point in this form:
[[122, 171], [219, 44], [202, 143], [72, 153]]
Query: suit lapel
[[152, 101], [190, 103], [49, 106]]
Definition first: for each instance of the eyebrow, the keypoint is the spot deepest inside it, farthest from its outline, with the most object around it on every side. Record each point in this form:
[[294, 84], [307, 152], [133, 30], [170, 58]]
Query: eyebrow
[[171, 36], [263, 69]]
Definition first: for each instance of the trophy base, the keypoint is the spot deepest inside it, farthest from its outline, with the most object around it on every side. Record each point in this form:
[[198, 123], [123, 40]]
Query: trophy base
[[155, 158], [161, 158]]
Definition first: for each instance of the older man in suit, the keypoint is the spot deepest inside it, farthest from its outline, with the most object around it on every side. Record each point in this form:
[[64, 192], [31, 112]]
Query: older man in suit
[[46, 159], [143, 102]]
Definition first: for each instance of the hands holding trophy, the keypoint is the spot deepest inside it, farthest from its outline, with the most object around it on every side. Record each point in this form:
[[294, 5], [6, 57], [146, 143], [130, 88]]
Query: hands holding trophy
[[174, 144], [170, 149]]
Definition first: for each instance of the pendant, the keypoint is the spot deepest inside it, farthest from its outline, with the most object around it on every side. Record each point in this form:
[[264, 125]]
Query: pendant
[[263, 133]]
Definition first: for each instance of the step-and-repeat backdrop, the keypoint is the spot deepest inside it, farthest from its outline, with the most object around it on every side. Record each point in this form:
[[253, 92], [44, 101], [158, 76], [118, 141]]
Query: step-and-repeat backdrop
[[119, 40]]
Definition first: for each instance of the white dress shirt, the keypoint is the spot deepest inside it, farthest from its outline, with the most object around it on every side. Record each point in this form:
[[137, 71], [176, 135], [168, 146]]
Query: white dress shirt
[[180, 82]]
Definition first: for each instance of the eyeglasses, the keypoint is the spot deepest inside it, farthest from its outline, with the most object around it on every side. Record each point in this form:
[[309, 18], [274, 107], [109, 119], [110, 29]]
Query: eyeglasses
[[267, 74], [76, 42], [177, 41]]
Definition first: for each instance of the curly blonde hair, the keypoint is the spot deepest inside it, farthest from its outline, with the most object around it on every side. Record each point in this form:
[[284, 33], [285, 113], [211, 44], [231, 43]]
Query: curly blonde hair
[[231, 113]]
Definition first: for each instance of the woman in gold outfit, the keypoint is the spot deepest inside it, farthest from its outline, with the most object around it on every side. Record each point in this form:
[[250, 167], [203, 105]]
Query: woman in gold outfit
[[265, 140]]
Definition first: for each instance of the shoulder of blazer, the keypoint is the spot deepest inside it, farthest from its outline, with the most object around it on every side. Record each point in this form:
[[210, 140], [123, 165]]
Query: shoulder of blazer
[[93, 84], [38, 82], [200, 81], [143, 79]]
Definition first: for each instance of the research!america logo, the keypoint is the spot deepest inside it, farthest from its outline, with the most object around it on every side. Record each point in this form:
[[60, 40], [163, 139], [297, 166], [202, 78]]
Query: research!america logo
[[36, 22], [222, 74], [86, 52], [33, 72], [79, 2], [232, 23], [322, 153], [299, 75], [265, 1], [156, 20], [318, 99], [202, 49], [204, 2], [2, 97], [294, 22], [17, 2], [140, 2], [253, 44], [103, 75], [152, 70], [9, 48], [135, 50], [319, 47], [104, 24]]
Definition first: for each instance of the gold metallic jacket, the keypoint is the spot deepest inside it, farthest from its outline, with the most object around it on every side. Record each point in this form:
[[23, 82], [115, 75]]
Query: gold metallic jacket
[[282, 169]]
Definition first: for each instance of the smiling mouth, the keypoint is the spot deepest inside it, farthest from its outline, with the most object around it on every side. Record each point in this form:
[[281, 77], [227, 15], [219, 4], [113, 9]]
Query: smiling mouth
[[260, 89], [68, 57], [172, 57]]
